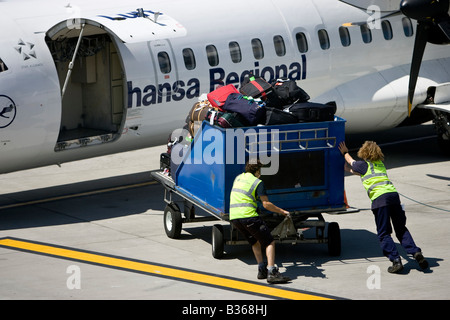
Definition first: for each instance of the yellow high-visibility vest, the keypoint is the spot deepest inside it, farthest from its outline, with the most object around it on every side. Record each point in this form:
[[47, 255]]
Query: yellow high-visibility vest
[[376, 181], [243, 203]]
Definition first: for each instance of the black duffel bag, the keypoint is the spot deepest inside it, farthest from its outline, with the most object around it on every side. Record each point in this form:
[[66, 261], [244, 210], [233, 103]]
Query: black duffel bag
[[277, 116], [285, 92], [313, 112]]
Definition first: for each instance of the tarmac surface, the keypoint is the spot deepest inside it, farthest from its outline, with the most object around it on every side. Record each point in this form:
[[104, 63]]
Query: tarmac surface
[[93, 229]]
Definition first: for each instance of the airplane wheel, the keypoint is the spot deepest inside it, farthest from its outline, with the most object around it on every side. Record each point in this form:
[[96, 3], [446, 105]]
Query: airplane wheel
[[441, 120], [172, 221], [334, 239], [217, 241]]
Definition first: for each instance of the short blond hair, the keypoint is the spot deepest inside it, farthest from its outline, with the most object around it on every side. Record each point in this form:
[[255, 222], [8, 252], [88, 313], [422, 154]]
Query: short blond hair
[[370, 151]]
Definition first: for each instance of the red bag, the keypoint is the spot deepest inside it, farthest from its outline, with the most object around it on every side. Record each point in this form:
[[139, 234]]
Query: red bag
[[218, 97]]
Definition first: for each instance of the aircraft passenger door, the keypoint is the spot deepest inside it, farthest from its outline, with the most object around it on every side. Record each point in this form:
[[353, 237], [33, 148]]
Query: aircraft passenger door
[[165, 66], [117, 76]]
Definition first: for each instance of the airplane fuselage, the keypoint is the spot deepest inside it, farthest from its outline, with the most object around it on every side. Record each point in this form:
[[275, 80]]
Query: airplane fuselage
[[137, 73]]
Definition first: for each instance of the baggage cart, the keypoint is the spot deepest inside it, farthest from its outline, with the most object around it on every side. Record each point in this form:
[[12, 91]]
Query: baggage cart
[[304, 175]]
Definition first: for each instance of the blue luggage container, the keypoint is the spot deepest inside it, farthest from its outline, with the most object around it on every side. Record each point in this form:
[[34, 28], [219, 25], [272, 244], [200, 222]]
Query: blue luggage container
[[305, 169], [304, 174]]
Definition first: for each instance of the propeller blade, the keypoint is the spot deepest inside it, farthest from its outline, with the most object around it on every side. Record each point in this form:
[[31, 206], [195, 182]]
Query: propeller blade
[[419, 49], [424, 9]]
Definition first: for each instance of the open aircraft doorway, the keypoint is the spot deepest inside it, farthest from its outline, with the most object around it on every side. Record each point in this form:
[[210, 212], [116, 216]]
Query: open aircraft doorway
[[91, 76]]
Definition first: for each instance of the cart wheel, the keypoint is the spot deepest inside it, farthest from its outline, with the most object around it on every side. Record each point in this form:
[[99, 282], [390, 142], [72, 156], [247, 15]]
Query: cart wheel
[[334, 239], [217, 241], [172, 221]]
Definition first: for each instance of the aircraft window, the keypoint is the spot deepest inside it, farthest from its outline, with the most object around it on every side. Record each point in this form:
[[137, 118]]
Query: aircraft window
[[189, 59], [280, 47], [3, 66], [258, 49], [387, 29], [212, 54], [366, 33], [302, 43], [345, 36], [407, 27], [324, 39], [164, 62], [235, 52]]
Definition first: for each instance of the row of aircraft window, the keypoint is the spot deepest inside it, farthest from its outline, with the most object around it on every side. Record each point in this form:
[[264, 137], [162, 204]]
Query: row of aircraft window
[[280, 47]]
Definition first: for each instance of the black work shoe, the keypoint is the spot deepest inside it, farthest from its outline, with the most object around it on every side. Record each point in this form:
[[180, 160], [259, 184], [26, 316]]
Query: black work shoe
[[275, 276], [423, 263], [396, 267], [262, 273]]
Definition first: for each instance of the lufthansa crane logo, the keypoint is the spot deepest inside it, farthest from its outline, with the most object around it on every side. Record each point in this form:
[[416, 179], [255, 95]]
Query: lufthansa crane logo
[[26, 50], [8, 111]]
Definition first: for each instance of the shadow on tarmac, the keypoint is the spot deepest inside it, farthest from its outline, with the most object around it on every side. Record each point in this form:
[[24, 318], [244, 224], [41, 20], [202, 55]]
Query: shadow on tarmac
[[133, 201], [108, 205], [307, 260]]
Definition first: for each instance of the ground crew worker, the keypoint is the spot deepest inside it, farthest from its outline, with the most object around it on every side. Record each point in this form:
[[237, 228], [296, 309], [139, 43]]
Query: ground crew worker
[[386, 205], [247, 189]]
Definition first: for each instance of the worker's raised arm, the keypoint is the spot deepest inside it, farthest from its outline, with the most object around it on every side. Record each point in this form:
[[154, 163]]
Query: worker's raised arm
[[344, 151], [348, 158]]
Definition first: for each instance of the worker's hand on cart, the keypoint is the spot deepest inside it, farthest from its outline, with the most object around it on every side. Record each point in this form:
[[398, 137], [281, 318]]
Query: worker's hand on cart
[[343, 148], [271, 207]]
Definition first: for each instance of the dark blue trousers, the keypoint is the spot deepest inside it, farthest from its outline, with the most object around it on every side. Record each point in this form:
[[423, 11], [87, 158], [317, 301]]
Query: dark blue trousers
[[383, 217]]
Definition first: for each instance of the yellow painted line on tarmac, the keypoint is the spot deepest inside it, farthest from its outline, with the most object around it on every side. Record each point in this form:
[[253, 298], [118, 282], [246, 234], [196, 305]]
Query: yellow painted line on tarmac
[[157, 270]]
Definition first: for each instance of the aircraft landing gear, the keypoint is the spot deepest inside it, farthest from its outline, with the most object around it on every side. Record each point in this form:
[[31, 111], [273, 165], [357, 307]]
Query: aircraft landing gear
[[442, 125]]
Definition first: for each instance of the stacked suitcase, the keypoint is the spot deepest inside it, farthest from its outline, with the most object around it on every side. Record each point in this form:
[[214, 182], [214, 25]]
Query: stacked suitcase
[[258, 102]]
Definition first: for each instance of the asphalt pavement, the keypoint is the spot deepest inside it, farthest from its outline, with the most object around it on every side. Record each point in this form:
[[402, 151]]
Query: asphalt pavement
[[93, 229]]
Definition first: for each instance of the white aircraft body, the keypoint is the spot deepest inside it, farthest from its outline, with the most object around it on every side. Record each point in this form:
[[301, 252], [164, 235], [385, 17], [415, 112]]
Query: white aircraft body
[[81, 79]]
